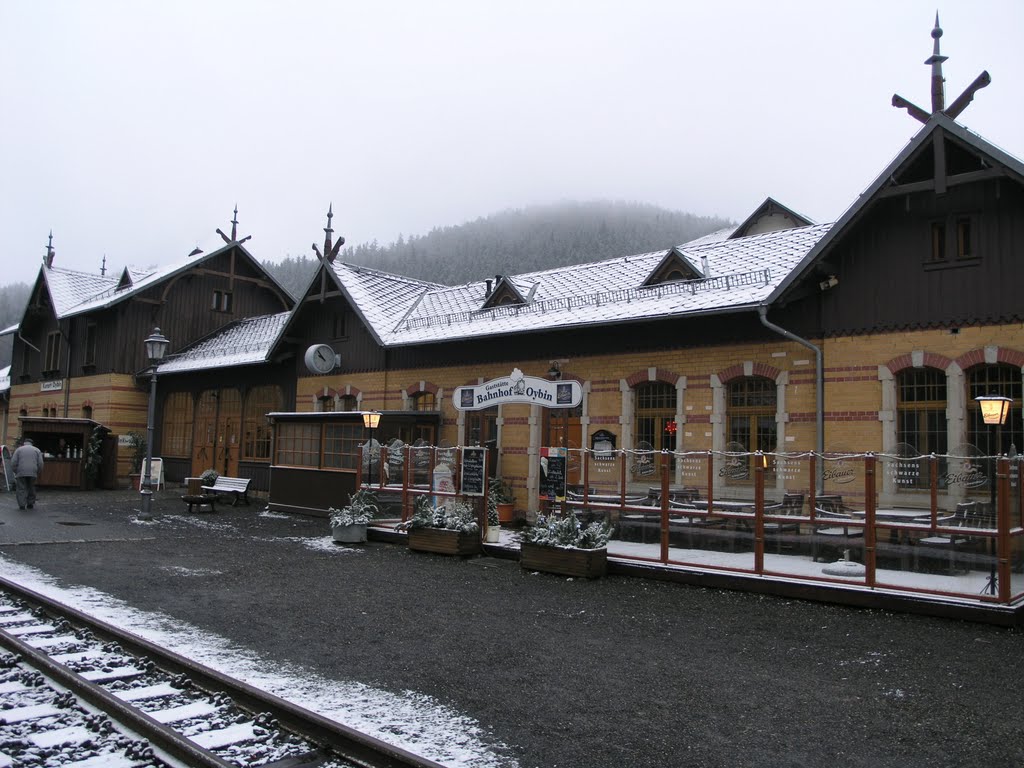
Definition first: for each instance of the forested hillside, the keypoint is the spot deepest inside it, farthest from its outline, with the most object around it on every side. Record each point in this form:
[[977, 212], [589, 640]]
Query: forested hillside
[[525, 240]]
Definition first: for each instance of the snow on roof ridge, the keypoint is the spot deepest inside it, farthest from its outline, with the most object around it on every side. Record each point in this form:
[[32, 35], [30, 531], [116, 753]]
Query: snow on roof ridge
[[727, 282], [362, 269]]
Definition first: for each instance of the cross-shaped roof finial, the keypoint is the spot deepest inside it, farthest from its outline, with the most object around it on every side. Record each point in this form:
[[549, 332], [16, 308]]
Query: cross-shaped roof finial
[[330, 252], [234, 231], [938, 86]]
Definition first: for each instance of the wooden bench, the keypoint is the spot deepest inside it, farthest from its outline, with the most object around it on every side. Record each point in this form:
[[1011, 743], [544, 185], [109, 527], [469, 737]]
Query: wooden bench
[[236, 487]]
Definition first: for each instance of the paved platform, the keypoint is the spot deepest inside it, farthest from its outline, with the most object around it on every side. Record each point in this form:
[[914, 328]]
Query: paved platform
[[618, 671]]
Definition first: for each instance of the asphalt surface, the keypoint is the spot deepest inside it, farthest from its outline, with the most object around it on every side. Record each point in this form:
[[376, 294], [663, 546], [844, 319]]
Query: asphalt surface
[[568, 673]]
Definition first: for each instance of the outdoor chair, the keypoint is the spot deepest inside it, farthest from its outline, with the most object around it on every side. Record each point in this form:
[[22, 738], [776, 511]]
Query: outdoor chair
[[949, 543], [684, 518], [792, 504], [836, 526]]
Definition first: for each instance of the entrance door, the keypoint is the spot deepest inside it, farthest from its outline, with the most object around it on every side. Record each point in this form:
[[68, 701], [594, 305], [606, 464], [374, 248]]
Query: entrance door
[[218, 420], [563, 428], [482, 429]]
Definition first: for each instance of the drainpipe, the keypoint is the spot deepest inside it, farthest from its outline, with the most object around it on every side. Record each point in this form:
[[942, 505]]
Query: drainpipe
[[819, 381]]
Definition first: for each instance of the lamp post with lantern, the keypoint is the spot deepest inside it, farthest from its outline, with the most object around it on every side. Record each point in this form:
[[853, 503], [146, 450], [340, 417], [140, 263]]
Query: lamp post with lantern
[[994, 410], [156, 349], [370, 421]]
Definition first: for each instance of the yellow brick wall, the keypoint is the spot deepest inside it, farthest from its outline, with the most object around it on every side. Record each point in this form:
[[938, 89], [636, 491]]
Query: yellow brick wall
[[853, 393], [117, 403]]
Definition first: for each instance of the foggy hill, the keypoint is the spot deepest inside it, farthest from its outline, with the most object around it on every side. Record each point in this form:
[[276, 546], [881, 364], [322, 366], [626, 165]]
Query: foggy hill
[[515, 241]]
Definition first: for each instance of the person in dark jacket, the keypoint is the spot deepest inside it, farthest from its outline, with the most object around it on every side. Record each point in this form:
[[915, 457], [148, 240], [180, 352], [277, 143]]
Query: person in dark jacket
[[27, 463]]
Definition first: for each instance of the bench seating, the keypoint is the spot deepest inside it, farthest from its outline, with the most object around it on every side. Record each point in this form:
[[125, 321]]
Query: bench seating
[[236, 487]]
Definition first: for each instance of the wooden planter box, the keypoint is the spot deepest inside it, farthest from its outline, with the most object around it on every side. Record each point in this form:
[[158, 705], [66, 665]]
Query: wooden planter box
[[350, 534], [587, 563], [444, 541]]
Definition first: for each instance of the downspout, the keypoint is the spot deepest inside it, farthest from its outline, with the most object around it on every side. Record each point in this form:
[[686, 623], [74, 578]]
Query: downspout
[[819, 382]]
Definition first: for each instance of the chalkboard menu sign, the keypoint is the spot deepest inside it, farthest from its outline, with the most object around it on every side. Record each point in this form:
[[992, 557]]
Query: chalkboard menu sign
[[474, 463], [552, 473]]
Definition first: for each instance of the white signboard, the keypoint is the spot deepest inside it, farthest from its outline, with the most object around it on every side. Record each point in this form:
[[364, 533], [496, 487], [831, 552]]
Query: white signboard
[[519, 388], [51, 386]]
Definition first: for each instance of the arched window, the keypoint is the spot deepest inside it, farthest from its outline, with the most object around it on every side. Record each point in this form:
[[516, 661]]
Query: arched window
[[255, 430], [176, 437], [424, 401], [348, 403], [920, 423], [655, 422], [1002, 380], [325, 403], [751, 420], [86, 411]]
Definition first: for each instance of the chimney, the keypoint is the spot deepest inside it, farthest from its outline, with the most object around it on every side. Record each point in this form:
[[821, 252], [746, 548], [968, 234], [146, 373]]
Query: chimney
[[704, 266]]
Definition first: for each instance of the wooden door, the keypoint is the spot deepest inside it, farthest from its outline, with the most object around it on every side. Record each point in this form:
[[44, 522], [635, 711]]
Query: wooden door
[[563, 428], [218, 419]]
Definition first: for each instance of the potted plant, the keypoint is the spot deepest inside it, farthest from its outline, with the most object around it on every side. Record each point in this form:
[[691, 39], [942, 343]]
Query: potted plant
[[493, 533], [136, 444], [93, 457], [499, 493], [560, 544], [449, 529], [348, 524]]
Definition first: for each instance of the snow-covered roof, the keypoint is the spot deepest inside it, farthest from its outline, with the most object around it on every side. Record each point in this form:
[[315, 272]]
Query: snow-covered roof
[[245, 342], [5, 379], [10, 329], [74, 293], [740, 273]]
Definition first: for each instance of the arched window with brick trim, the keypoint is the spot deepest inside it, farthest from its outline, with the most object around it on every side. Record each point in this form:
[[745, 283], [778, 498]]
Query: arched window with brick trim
[[751, 422], [655, 418], [921, 424]]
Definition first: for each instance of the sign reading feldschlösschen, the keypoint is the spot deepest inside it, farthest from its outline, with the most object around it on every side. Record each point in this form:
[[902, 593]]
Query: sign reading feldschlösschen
[[519, 388]]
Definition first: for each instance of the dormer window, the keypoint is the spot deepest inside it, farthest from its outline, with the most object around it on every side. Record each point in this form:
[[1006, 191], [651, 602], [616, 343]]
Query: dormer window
[[505, 294], [674, 268]]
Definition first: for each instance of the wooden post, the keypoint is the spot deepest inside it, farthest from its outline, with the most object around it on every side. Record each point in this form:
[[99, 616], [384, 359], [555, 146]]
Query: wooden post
[[870, 463], [664, 512], [759, 460], [1003, 527]]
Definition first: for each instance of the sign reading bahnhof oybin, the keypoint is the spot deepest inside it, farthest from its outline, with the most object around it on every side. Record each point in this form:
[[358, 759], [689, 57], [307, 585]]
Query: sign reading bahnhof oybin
[[519, 388]]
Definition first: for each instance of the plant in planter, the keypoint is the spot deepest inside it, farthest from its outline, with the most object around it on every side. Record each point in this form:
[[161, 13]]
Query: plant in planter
[[560, 544], [493, 533], [93, 457], [348, 524], [136, 444], [499, 494], [449, 529]]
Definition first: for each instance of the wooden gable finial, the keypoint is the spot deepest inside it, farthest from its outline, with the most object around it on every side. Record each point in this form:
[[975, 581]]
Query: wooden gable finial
[[330, 252], [935, 60], [234, 231], [938, 86], [50, 253], [103, 266]]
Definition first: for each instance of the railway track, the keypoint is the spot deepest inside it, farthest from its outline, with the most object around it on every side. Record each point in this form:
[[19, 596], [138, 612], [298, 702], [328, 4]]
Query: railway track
[[76, 692]]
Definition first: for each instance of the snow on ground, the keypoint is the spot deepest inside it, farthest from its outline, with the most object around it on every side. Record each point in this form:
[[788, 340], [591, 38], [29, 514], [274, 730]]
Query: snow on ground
[[411, 721]]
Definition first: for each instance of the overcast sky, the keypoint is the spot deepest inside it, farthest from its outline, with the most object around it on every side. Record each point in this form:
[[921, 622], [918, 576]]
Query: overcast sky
[[131, 129]]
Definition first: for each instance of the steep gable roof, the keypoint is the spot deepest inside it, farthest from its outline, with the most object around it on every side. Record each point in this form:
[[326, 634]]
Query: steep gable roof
[[993, 162], [769, 216]]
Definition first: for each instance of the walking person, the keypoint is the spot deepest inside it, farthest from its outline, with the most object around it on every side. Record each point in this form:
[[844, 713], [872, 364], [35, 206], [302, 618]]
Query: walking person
[[27, 463]]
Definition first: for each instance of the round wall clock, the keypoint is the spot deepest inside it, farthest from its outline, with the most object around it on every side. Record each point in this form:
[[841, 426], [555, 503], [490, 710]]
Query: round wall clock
[[320, 358]]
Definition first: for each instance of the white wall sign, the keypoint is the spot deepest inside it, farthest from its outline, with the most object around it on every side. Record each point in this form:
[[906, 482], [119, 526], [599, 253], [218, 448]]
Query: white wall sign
[[519, 388], [51, 386]]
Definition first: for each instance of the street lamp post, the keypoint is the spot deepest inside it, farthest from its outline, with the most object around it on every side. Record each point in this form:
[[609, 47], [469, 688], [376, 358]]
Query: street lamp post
[[994, 410], [370, 420], [156, 348]]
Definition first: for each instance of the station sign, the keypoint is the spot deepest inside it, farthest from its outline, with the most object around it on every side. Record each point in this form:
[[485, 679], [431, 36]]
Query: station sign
[[518, 388]]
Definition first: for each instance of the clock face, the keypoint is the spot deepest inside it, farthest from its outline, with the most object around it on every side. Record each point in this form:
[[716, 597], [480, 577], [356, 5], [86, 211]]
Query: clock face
[[320, 358]]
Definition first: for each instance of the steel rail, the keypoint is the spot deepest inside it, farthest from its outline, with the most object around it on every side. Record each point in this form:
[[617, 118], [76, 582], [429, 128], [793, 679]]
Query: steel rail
[[342, 740]]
